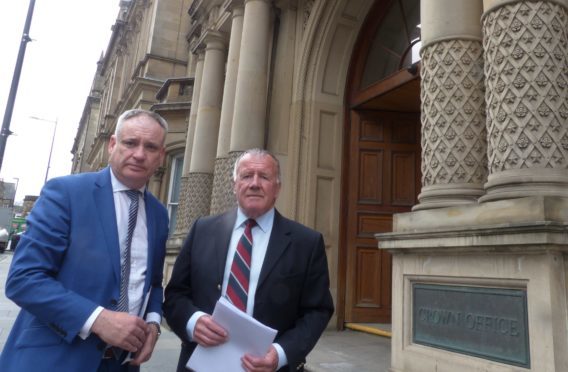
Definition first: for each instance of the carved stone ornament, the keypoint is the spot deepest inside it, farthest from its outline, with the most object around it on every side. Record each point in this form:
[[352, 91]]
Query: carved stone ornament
[[199, 197], [526, 57], [453, 114], [308, 5], [223, 198], [182, 223]]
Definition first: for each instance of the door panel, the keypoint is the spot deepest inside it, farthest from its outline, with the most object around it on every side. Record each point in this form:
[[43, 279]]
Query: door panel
[[383, 178], [403, 188], [370, 169]]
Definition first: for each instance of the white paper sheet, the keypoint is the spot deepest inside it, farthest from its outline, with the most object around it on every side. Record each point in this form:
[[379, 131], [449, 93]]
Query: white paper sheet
[[246, 336]]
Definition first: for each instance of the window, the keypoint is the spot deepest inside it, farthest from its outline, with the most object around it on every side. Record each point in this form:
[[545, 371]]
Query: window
[[173, 193], [396, 43]]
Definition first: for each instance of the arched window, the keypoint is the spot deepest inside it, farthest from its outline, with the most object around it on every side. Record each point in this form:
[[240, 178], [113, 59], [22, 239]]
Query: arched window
[[396, 42]]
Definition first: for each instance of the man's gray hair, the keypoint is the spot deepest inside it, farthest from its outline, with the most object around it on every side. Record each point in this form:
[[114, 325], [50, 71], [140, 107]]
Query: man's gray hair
[[260, 153], [129, 114]]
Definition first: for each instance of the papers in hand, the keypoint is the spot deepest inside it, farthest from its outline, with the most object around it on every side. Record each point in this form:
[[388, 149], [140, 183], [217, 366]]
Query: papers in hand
[[246, 336]]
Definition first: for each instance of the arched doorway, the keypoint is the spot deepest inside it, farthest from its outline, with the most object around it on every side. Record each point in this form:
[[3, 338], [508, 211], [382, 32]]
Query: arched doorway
[[381, 155]]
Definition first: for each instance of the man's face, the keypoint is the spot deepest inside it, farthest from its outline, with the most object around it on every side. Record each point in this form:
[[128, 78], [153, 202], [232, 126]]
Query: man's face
[[137, 152], [256, 186]]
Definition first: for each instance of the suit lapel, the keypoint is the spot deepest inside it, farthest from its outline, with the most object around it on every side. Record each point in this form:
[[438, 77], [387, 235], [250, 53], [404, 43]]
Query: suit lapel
[[223, 239], [277, 244], [104, 206], [151, 227]]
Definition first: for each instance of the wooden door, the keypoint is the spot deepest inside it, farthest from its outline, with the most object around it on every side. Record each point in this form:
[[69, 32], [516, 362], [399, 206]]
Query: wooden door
[[383, 178]]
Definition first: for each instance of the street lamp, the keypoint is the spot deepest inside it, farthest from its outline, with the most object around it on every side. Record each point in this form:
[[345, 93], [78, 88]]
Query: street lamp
[[52, 141], [5, 131]]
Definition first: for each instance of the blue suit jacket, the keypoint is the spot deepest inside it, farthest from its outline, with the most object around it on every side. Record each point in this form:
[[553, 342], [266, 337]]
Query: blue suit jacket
[[68, 263]]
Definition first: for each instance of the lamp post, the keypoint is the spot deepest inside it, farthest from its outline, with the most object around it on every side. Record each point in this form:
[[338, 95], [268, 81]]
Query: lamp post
[[5, 131], [52, 141]]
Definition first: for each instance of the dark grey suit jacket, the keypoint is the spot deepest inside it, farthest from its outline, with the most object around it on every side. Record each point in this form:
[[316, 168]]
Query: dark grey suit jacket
[[293, 289]]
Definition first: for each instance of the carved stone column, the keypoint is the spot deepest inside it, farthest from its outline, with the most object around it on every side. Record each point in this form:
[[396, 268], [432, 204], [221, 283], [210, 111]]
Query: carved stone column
[[500, 245], [182, 226], [526, 58], [200, 180], [222, 197], [453, 110]]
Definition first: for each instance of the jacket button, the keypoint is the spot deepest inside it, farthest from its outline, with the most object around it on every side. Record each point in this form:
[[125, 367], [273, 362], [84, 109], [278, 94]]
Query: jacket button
[[218, 287], [113, 302]]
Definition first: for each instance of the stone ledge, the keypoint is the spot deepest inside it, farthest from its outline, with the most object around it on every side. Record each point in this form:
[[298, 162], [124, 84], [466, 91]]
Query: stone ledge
[[511, 212]]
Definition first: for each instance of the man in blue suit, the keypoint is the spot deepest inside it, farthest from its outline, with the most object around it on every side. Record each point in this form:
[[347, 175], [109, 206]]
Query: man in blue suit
[[88, 271]]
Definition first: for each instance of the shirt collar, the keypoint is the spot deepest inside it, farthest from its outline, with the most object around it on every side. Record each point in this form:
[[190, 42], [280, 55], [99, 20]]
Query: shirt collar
[[119, 186], [263, 221]]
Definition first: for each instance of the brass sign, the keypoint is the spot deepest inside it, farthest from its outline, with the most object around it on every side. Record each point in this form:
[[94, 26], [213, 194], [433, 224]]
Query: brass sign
[[489, 323]]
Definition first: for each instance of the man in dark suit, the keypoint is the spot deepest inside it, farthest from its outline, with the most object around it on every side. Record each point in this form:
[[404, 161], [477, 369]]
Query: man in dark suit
[[88, 271], [288, 286]]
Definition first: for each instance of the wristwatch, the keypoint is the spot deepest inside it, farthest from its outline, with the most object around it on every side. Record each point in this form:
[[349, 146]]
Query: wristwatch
[[157, 325]]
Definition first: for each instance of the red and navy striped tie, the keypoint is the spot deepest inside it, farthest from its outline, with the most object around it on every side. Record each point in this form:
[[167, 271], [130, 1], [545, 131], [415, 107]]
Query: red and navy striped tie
[[237, 289]]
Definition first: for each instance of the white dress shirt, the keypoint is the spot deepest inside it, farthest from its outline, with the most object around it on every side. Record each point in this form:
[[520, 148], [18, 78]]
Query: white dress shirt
[[260, 237], [138, 253], [139, 245]]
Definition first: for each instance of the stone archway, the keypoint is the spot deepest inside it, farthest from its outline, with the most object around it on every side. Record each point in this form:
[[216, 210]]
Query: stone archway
[[317, 152], [315, 148]]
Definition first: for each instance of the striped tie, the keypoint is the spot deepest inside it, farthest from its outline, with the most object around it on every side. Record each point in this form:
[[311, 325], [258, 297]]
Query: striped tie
[[125, 267], [125, 261], [237, 289]]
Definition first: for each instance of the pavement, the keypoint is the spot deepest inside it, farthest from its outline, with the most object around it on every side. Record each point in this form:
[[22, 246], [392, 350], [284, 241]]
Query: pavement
[[336, 351]]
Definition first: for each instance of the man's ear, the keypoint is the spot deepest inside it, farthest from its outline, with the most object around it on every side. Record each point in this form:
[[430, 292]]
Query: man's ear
[[111, 143]]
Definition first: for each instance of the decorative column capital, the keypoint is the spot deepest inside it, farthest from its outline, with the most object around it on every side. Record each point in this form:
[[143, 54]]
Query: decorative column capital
[[211, 39], [200, 53], [237, 11], [263, 1], [286, 4], [233, 5]]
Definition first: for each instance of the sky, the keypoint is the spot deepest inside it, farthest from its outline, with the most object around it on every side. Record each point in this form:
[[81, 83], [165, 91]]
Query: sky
[[59, 65]]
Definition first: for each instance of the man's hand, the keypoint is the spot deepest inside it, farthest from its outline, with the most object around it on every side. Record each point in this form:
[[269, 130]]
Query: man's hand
[[144, 354], [268, 363], [120, 329], [208, 333]]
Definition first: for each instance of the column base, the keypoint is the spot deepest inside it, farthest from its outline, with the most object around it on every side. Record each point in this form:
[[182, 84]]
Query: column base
[[448, 195], [519, 183], [467, 260]]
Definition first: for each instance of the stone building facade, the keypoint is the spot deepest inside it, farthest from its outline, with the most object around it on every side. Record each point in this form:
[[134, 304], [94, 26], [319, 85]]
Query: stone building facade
[[381, 112]]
